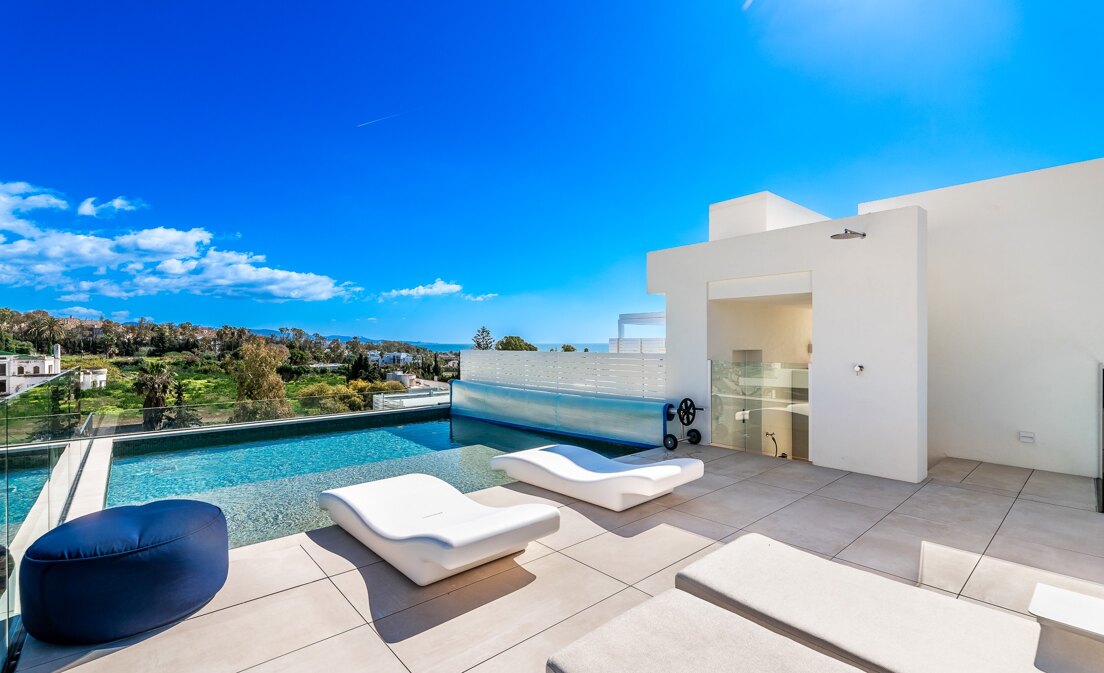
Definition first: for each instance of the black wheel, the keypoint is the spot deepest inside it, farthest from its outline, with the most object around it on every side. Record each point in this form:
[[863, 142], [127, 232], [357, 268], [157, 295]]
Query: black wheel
[[693, 436], [687, 411], [670, 442]]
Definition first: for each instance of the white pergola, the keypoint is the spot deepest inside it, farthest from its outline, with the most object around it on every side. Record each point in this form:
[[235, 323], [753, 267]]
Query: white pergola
[[658, 318]]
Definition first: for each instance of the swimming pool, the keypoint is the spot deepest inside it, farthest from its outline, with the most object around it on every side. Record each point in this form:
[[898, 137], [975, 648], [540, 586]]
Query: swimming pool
[[267, 479]]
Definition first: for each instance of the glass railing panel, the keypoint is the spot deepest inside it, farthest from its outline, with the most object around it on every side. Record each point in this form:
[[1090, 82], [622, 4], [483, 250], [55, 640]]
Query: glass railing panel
[[762, 407]]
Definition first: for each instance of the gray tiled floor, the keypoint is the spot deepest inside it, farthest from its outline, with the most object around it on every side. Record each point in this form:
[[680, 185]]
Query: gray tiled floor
[[320, 601]]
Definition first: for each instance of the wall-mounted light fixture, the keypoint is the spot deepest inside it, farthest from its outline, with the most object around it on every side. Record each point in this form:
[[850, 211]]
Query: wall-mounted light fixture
[[847, 234], [859, 369]]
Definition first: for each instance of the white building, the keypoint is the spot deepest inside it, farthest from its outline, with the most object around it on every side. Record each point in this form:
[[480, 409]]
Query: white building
[[18, 372], [396, 359], [91, 379], [967, 322], [408, 380], [624, 344]]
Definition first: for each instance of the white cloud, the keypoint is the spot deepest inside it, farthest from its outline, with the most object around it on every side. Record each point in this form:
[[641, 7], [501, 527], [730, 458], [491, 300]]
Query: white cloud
[[120, 316], [20, 197], [119, 203], [176, 266], [480, 297], [165, 243], [435, 289], [78, 312], [141, 262]]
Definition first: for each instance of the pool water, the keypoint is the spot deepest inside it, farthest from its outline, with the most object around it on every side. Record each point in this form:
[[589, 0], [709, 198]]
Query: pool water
[[267, 486], [24, 486]]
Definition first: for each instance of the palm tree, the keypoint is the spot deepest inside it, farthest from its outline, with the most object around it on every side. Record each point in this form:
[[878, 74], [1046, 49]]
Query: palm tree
[[155, 382], [44, 330]]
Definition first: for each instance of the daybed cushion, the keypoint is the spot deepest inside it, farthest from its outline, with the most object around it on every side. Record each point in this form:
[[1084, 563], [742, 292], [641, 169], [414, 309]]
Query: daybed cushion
[[122, 571], [676, 632], [589, 476], [877, 623], [429, 530]]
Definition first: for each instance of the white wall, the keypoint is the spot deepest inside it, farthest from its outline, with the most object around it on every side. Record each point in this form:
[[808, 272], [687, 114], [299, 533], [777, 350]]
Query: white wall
[[1016, 316], [869, 307], [756, 213], [783, 332]]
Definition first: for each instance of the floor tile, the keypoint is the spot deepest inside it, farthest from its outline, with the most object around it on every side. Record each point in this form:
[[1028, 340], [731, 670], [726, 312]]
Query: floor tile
[[360, 649], [979, 511], [1011, 585], [231, 639], [379, 590], [863, 489], [952, 469], [657, 583], [335, 551], [799, 476], [644, 547], [695, 489], [819, 524], [257, 571], [939, 554], [1060, 489], [703, 452], [531, 655], [1000, 477], [1045, 557], [1055, 526], [742, 465], [581, 521], [463, 628], [741, 504]]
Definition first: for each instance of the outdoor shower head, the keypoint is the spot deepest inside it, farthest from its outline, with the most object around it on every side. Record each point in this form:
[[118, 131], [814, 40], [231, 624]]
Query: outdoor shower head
[[848, 233]]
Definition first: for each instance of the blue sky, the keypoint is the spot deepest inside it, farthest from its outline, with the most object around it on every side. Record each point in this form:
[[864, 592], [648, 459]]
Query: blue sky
[[415, 170]]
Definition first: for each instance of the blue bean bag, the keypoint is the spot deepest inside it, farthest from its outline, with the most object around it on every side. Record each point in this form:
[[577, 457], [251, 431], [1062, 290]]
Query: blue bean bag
[[122, 571]]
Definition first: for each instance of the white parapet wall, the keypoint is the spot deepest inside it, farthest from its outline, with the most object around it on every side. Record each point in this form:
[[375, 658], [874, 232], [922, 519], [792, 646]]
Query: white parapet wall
[[641, 375]]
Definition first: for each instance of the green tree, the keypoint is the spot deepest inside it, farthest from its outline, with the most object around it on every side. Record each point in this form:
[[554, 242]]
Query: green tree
[[261, 394], [483, 341], [514, 343], [567, 348], [182, 415], [437, 371], [154, 382]]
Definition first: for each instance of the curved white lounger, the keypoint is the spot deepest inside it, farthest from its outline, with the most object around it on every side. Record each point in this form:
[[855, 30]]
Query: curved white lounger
[[588, 476], [428, 530]]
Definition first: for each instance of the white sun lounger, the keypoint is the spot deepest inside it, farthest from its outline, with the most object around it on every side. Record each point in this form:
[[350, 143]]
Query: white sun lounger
[[428, 530], [588, 476]]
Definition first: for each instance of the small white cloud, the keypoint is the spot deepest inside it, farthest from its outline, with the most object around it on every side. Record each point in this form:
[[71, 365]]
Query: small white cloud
[[133, 267], [78, 312], [480, 297], [89, 208], [120, 316], [435, 289], [176, 266], [75, 296]]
